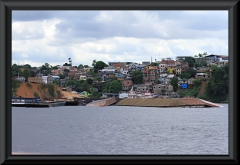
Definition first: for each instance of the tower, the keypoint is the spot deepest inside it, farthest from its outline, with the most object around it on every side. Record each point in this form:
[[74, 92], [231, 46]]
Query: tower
[[70, 61]]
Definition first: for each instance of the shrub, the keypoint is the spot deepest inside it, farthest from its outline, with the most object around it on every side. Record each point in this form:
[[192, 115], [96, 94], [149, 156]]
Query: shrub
[[59, 93], [36, 94], [51, 89], [29, 85], [43, 86]]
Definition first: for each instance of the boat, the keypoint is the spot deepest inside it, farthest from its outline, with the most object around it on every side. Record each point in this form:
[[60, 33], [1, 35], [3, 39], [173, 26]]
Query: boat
[[72, 102], [56, 103], [132, 93], [28, 102], [148, 94], [35, 102]]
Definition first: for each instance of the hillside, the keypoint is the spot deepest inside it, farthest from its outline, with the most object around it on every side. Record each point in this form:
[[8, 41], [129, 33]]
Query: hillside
[[34, 90]]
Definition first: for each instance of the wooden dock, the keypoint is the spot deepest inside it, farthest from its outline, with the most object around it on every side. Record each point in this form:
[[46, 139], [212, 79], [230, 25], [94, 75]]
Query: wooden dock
[[166, 102]]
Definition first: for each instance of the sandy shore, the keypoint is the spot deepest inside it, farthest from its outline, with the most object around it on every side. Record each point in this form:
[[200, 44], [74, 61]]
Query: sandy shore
[[28, 153]]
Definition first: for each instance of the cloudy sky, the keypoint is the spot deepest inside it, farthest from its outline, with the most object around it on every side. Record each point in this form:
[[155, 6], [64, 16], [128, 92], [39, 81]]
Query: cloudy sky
[[40, 37]]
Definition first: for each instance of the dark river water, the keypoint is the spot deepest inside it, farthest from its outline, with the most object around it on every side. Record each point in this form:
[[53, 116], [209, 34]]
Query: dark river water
[[120, 130]]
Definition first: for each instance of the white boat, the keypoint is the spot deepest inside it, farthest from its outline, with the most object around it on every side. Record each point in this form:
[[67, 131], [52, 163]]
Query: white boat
[[132, 93], [148, 94]]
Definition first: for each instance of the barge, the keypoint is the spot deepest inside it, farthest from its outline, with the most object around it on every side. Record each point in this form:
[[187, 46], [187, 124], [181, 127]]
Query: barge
[[167, 102]]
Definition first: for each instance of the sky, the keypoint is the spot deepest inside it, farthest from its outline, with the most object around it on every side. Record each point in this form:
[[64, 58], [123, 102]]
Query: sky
[[40, 37]]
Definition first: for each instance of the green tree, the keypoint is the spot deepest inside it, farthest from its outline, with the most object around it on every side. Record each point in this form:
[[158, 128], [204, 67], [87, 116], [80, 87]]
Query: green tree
[[33, 74], [55, 67], [99, 65], [197, 82], [71, 83], [27, 66], [61, 76], [65, 72], [80, 66], [85, 66], [99, 78], [190, 61], [47, 65], [90, 81], [137, 76], [203, 63], [197, 65], [174, 71], [114, 86], [26, 73], [216, 89], [16, 70], [94, 63], [82, 86], [174, 83], [45, 70], [185, 75], [191, 71], [154, 64], [15, 85]]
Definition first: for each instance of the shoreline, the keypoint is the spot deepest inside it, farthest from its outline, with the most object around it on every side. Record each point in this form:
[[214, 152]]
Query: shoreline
[[28, 153]]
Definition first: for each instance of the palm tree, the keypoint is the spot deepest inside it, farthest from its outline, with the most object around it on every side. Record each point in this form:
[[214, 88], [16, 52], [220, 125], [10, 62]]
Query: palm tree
[[94, 63]]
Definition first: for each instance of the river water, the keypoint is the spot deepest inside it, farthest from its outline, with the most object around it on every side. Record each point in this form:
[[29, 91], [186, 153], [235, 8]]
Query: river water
[[120, 130]]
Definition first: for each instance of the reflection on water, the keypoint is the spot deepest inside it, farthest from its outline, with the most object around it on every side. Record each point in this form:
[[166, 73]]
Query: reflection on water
[[120, 130]]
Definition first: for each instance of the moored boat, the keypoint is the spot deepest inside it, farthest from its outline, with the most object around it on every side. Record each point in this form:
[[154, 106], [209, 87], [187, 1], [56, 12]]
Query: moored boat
[[35, 102]]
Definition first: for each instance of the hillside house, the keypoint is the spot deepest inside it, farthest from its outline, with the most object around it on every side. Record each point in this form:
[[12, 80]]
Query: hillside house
[[127, 84]]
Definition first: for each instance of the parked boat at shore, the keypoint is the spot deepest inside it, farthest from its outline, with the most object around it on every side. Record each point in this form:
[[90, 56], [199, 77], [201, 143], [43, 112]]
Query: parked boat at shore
[[35, 102]]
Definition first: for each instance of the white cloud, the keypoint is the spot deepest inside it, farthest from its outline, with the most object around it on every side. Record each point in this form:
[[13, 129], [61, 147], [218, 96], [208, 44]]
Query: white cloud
[[117, 36], [24, 55]]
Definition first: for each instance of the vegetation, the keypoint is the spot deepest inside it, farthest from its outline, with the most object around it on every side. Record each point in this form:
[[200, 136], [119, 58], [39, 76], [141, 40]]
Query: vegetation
[[191, 91], [154, 64], [51, 89], [26, 73], [137, 76], [43, 86], [89, 81], [98, 65], [15, 86], [185, 75], [174, 83], [190, 61], [80, 66], [59, 93], [114, 86], [28, 85], [36, 94], [216, 89], [191, 71]]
